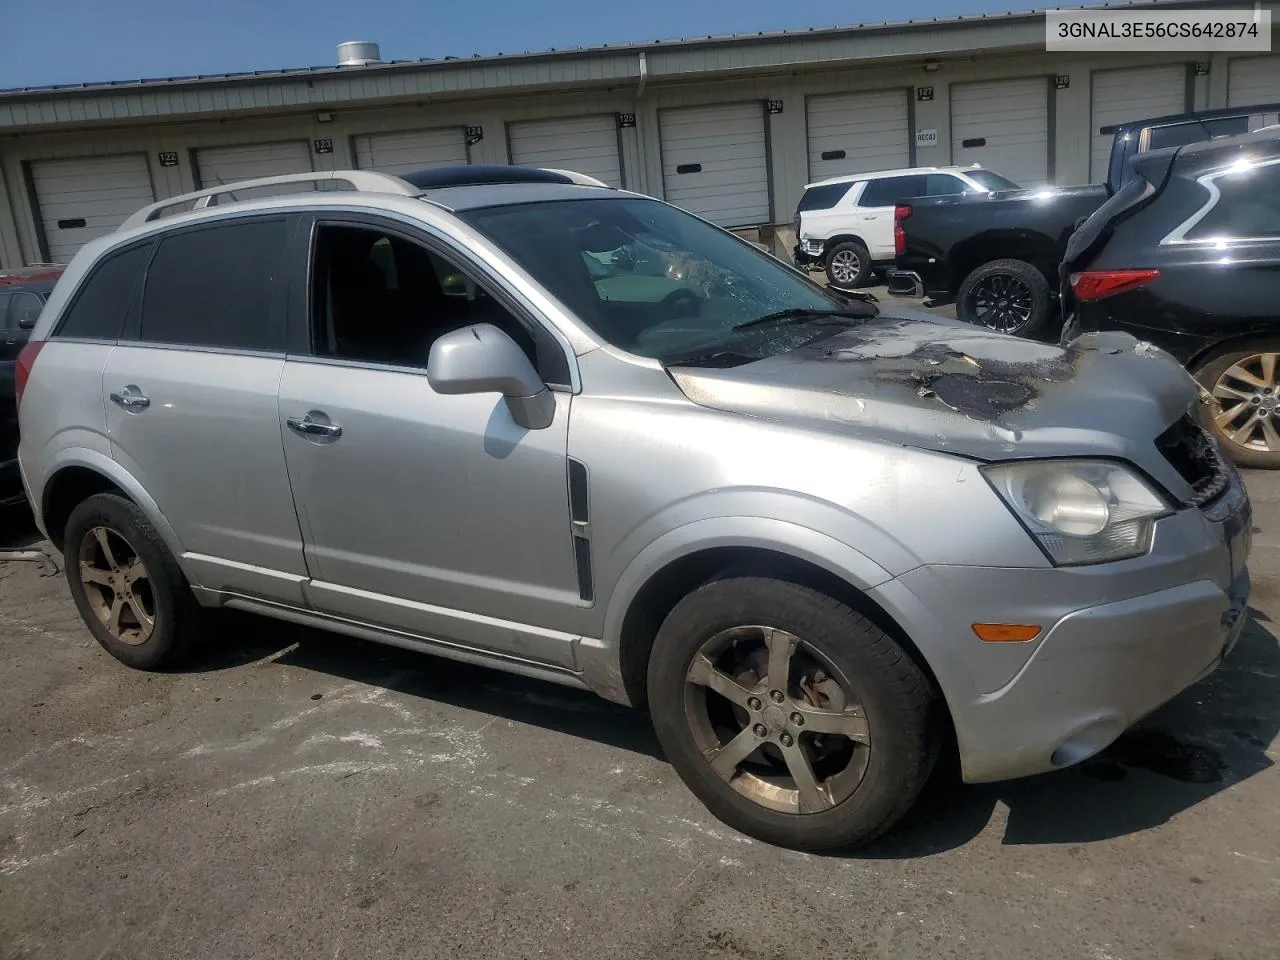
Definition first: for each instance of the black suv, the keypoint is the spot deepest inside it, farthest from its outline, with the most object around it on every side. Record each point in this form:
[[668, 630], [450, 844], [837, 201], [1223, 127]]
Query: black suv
[[1186, 256], [23, 292]]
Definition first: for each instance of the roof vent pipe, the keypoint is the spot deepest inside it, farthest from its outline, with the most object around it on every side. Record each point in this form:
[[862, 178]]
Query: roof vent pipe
[[358, 53]]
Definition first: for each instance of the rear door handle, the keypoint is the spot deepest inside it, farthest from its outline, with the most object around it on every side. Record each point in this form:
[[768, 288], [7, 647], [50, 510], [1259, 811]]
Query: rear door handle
[[314, 428], [131, 399]]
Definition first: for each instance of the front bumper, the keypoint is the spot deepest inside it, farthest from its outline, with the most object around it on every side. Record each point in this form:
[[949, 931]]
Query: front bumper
[[808, 254], [1118, 640]]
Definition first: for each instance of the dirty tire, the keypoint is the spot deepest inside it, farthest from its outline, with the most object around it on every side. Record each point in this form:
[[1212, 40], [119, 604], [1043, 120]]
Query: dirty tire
[[1209, 373], [177, 615], [848, 265], [1018, 275], [897, 699]]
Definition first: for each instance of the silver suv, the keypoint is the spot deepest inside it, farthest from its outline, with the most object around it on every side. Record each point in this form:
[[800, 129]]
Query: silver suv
[[519, 419]]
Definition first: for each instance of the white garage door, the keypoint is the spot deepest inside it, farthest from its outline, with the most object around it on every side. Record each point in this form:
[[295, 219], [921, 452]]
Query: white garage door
[[714, 162], [408, 150], [219, 165], [87, 197], [582, 144], [1121, 96], [857, 133], [1003, 125], [1253, 80]]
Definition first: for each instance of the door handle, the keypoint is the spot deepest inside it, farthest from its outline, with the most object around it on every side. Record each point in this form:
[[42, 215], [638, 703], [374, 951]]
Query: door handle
[[130, 399], [314, 428]]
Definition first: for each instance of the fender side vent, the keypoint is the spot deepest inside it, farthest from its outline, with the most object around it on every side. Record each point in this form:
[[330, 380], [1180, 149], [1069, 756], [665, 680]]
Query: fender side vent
[[580, 527]]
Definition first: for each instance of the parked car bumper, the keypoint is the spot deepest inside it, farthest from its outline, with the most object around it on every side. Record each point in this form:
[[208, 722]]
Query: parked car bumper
[[807, 255], [1118, 640], [904, 283], [12, 491]]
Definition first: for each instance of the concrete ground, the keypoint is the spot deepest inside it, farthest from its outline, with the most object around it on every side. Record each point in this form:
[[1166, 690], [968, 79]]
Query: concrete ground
[[294, 794]]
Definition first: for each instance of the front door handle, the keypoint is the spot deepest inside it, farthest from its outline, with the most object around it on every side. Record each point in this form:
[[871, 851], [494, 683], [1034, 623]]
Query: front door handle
[[131, 399], [314, 428]]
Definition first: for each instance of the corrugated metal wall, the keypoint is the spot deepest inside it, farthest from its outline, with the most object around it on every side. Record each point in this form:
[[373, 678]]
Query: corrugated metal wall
[[332, 132]]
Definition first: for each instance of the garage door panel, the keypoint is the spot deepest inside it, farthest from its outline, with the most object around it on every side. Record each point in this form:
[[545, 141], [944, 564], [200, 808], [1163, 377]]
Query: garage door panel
[[1253, 80], [586, 145], [1121, 96], [870, 129], [217, 166], [1008, 123], [406, 151], [728, 143], [100, 191]]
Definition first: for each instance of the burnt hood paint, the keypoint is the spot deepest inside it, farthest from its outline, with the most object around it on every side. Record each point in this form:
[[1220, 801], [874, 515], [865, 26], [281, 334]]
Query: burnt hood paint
[[948, 386]]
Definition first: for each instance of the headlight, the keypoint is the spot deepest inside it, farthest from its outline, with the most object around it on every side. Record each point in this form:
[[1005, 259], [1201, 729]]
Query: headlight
[[1080, 511]]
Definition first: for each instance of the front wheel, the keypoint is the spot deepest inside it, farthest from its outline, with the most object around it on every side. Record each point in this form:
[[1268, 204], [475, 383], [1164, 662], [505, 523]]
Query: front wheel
[[1008, 296], [1245, 383], [790, 715]]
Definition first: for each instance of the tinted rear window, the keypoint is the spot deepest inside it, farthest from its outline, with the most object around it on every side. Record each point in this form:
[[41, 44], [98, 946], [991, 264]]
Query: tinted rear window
[[1248, 206], [823, 198], [215, 287], [98, 311]]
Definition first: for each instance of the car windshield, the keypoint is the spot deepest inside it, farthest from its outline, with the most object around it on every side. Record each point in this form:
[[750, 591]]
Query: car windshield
[[653, 280], [991, 181]]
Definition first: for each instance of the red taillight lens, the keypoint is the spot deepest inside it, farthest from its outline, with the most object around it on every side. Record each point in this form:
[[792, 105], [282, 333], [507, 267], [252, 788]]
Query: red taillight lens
[[900, 213], [1096, 284], [22, 369]]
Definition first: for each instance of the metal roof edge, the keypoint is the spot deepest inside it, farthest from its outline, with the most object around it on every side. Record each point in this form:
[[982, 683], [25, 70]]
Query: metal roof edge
[[123, 87]]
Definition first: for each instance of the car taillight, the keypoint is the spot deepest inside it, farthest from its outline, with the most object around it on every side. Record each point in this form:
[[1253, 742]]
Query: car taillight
[[22, 369], [900, 213], [1096, 284]]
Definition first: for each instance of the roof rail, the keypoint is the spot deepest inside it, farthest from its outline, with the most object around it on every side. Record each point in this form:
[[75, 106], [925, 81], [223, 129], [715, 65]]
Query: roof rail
[[365, 181], [580, 178]]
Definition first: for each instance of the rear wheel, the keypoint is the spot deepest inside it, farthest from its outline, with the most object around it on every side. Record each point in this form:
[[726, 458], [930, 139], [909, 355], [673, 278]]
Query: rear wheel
[[126, 585], [790, 715], [1245, 383], [1009, 296], [848, 265]]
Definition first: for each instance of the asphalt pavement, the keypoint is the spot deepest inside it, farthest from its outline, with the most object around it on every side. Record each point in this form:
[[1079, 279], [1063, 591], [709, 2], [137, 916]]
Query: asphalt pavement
[[296, 794]]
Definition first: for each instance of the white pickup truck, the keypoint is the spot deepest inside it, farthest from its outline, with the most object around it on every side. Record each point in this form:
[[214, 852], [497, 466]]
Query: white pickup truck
[[844, 224]]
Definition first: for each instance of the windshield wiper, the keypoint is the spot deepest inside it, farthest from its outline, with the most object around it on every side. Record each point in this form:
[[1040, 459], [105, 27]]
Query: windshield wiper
[[802, 314]]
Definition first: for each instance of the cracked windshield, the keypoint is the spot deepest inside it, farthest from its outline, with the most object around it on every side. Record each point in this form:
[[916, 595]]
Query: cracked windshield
[[651, 279]]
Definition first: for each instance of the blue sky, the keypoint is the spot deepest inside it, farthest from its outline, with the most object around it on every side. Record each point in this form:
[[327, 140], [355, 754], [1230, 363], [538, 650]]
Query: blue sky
[[73, 41]]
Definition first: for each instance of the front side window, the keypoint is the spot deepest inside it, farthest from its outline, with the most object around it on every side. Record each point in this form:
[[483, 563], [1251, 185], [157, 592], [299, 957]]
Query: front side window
[[655, 281], [216, 286], [1248, 206], [24, 311], [378, 297]]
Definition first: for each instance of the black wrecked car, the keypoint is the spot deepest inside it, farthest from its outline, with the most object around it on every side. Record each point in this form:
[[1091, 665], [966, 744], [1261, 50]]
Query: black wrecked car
[[1187, 257]]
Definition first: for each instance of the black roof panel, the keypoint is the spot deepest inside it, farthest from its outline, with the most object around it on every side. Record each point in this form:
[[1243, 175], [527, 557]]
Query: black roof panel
[[480, 173]]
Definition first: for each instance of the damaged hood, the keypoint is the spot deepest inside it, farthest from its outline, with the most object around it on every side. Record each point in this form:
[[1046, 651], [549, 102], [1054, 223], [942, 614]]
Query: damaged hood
[[948, 386]]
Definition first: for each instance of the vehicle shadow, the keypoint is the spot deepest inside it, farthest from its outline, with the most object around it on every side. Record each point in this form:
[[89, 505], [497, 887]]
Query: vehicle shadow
[[575, 713], [1200, 744], [1211, 737]]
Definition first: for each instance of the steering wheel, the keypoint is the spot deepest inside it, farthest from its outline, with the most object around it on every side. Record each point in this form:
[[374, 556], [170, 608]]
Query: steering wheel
[[681, 304]]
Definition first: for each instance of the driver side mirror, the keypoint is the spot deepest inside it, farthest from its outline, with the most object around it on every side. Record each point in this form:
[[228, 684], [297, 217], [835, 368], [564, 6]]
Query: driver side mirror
[[482, 359], [27, 323]]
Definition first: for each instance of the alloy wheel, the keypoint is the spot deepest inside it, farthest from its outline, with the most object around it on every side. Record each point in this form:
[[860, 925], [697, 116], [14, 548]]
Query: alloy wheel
[[1001, 302], [776, 720], [117, 586], [1248, 398], [845, 266]]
